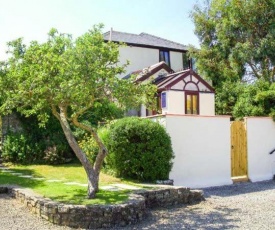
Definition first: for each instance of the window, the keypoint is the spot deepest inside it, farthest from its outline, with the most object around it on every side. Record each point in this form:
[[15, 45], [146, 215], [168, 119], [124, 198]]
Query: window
[[191, 103], [163, 100], [193, 64], [185, 61], [188, 63], [164, 56]]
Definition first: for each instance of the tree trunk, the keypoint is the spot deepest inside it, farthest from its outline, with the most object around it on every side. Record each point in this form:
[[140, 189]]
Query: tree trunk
[[92, 174]]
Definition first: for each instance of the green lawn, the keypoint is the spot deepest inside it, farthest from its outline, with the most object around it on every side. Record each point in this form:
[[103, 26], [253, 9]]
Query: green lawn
[[59, 191]]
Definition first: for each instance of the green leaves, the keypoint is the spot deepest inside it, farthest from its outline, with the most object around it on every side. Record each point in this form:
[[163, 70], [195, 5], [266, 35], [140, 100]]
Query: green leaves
[[237, 46], [67, 73], [139, 149], [236, 34]]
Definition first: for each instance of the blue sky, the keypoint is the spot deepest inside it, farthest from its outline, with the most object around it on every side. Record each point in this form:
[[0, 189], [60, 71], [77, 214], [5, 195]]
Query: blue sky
[[32, 19]]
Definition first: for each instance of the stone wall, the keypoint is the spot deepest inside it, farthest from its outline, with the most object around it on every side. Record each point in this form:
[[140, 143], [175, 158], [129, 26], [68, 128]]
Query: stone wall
[[169, 196], [103, 216], [11, 123]]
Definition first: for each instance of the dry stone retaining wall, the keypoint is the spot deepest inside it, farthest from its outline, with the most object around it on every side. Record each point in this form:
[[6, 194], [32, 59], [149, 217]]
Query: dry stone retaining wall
[[103, 216]]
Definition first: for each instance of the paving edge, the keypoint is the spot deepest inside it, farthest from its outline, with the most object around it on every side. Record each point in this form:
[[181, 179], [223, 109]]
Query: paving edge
[[103, 216]]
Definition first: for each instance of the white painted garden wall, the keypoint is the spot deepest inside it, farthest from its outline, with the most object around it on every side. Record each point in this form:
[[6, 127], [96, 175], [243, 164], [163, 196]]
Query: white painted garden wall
[[202, 150], [260, 142]]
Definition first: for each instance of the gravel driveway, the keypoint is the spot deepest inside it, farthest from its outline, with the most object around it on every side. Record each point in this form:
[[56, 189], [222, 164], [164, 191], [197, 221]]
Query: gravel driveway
[[240, 206]]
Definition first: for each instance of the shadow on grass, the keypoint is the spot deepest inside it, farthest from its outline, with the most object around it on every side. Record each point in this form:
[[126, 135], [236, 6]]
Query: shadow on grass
[[9, 179], [79, 196], [58, 191]]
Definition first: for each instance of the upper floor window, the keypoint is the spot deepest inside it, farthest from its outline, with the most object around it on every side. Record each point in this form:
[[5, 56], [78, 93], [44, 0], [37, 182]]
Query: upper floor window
[[185, 61], [188, 63], [164, 56]]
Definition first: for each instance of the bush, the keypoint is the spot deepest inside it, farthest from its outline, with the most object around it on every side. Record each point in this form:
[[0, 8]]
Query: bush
[[35, 144], [139, 149], [19, 148]]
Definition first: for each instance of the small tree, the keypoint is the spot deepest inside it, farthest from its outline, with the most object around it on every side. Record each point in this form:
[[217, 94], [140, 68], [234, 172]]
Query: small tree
[[68, 77]]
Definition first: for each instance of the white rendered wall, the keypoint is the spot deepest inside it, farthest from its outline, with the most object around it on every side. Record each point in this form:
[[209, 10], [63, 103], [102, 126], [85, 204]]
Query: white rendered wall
[[207, 104], [139, 58], [260, 141], [202, 150], [175, 102], [176, 61], [143, 111]]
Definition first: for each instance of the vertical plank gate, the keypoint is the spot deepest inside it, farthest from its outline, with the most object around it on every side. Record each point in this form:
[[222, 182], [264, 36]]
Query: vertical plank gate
[[238, 151]]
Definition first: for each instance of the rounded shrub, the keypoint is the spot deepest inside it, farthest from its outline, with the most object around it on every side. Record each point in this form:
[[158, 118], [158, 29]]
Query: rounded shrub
[[139, 149]]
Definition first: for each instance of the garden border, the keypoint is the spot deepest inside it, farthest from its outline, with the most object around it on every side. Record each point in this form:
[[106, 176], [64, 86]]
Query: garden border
[[103, 216]]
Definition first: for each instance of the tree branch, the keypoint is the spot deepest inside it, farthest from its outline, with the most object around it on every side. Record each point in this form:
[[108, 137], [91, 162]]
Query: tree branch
[[102, 149], [252, 66]]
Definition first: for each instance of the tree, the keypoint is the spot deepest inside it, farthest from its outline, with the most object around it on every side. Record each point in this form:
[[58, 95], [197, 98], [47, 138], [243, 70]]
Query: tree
[[237, 41], [68, 78], [257, 99]]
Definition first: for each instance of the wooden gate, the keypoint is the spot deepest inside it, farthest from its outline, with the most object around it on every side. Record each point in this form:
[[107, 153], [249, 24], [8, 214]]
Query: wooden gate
[[238, 151]]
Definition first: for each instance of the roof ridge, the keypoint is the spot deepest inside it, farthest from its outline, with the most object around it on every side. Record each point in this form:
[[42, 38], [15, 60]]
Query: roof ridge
[[144, 39], [179, 72], [162, 39], [120, 32]]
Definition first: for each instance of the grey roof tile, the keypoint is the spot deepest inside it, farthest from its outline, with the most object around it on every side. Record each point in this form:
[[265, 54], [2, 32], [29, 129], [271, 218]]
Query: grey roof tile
[[143, 39]]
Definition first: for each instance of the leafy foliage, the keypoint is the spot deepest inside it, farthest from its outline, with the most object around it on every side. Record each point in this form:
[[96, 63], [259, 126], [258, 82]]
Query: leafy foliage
[[17, 149], [227, 96], [237, 49], [37, 144], [235, 36], [68, 78], [102, 113], [257, 99], [139, 149], [90, 147]]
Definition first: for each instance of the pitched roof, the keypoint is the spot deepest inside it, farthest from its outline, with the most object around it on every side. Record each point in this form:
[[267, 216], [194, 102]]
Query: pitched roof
[[144, 74], [171, 79], [143, 39], [148, 72], [167, 81]]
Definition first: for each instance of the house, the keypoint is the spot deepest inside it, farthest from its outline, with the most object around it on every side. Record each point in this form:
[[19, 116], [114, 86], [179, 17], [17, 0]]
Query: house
[[180, 89], [143, 50], [182, 92]]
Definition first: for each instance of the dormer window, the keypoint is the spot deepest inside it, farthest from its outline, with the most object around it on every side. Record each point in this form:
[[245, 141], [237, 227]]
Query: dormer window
[[164, 56]]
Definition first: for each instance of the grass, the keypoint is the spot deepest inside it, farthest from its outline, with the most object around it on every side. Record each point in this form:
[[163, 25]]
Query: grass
[[58, 191]]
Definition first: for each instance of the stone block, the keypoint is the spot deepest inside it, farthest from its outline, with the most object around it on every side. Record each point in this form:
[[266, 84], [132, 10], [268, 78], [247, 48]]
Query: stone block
[[57, 219], [44, 216], [64, 208], [3, 190]]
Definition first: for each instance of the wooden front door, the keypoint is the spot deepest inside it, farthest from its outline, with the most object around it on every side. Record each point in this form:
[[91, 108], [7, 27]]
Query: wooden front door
[[238, 150]]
